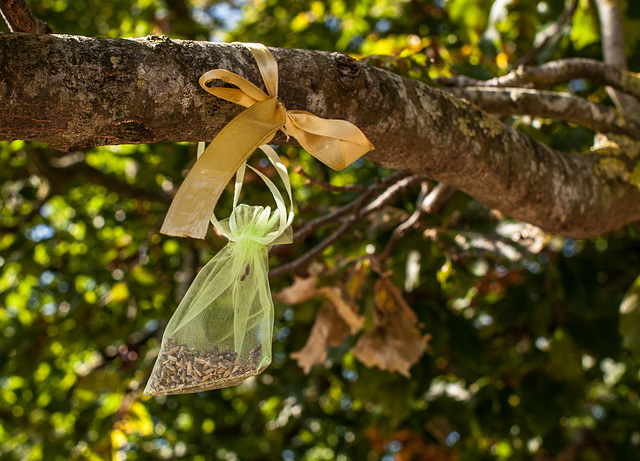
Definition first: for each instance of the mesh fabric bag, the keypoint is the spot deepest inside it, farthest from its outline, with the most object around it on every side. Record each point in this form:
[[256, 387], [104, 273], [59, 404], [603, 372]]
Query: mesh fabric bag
[[221, 332]]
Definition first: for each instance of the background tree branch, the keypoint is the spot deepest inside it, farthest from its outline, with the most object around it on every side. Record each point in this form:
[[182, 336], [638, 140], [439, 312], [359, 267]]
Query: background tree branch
[[612, 32], [543, 40], [348, 216], [19, 18], [554, 73], [559, 106], [59, 175], [98, 91]]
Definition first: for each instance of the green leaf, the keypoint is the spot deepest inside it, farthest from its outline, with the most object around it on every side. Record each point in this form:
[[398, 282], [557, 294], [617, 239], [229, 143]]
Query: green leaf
[[630, 318], [585, 30], [564, 363]]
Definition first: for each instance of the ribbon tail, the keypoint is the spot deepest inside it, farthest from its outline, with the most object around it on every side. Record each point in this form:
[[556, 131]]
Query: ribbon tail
[[193, 205], [336, 143]]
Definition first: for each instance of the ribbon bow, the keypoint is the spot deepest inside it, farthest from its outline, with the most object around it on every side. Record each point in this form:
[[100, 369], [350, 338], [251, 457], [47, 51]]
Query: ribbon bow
[[231, 229], [337, 143]]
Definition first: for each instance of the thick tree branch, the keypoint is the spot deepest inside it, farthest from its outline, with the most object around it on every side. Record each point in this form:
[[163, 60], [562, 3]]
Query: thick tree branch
[[560, 106], [19, 18], [554, 73], [612, 32], [75, 92]]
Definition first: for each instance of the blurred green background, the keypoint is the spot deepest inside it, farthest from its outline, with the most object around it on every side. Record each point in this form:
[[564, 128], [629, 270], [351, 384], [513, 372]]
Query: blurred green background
[[528, 356]]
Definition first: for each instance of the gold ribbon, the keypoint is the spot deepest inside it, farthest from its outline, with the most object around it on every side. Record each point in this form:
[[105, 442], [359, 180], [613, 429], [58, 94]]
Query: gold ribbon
[[337, 143]]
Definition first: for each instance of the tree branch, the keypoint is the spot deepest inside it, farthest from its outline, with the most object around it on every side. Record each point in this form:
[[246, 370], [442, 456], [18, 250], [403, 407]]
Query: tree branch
[[97, 91], [554, 73], [547, 35], [426, 204], [391, 193], [612, 33], [19, 18], [309, 227], [62, 174], [437, 198], [559, 106], [400, 231], [325, 185]]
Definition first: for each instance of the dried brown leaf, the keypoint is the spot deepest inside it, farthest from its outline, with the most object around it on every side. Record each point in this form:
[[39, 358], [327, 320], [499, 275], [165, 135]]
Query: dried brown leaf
[[347, 310], [329, 329], [300, 291], [395, 343], [336, 319], [391, 349], [355, 284], [392, 294]]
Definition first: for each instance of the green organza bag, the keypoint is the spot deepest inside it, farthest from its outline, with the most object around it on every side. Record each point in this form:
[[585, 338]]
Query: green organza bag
[[221, 332]]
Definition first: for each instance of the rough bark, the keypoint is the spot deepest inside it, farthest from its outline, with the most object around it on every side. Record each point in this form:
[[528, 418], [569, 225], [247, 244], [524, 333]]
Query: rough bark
[[74, 92]]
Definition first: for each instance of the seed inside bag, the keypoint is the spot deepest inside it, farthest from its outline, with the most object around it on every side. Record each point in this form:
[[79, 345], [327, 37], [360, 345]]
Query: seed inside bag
[[246, 272], [183, 369]]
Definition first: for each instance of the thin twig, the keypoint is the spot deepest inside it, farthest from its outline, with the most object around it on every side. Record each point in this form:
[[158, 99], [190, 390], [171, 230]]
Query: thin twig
[[391, 193], [309, 227], [490, 238], [404, 227], [554, 73], [325, 185], [438, 198], [19, 18], [548, 35], [305, 259], [426, 204], [58, 175]]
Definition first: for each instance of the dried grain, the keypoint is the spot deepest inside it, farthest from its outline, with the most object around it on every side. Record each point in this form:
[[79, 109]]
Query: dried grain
[[181, 369]]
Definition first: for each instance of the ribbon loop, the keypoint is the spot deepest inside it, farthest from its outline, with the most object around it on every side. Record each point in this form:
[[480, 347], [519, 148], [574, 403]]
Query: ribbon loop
[[337, 143], [229, 228], [267, 65], [246, 95]]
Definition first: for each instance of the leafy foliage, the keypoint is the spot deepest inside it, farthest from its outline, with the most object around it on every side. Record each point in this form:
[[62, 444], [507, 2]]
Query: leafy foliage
[[512, 344]]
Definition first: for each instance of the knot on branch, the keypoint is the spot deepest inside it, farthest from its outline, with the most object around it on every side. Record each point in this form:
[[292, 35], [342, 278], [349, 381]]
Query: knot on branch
[[130, 130], [348, 70]]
